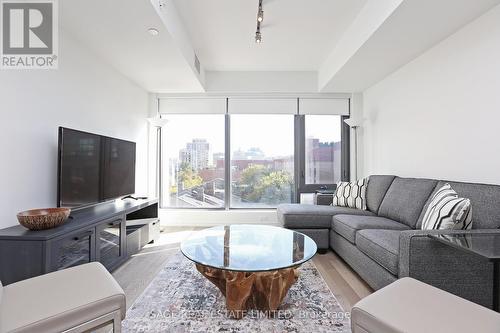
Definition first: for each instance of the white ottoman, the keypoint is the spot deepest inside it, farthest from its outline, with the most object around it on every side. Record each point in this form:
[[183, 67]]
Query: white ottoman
[[408, 305], [76, 299]]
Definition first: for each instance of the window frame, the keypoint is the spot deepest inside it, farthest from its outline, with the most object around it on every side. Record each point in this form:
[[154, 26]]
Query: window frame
[[299, 163]]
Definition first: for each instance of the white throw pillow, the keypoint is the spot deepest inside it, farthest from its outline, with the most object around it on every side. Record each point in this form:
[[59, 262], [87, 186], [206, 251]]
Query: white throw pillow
[[447, 211], [351, 194]]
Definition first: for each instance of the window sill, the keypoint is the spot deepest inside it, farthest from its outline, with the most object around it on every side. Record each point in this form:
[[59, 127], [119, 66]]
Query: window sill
[[206, 218]]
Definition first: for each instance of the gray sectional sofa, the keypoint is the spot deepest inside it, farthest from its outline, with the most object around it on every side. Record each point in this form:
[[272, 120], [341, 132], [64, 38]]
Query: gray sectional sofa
[[385, 242]]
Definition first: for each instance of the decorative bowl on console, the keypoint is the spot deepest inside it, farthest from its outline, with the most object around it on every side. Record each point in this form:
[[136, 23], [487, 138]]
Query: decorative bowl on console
[[45, 218]]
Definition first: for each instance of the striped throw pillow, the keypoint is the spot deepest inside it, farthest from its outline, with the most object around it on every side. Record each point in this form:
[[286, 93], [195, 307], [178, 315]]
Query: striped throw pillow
[[352, 195], [447, 211]]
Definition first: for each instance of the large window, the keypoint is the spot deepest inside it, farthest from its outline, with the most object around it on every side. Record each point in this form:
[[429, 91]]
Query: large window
[[262, 160], [193, 161], [250, 153], [323, 149]]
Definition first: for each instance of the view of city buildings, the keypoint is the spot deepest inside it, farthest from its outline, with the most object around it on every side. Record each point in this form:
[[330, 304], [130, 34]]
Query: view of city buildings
[[195, 154], [322, 162], [257, 180]]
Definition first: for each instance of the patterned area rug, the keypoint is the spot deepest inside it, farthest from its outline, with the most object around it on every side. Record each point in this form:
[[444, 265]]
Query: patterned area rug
[[181, 300]]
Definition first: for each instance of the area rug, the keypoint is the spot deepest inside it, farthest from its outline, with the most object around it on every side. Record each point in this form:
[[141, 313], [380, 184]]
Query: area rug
[[180, 299]]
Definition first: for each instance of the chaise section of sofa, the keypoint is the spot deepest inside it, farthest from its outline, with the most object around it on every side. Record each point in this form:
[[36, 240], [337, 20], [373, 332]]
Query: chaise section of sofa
[[315, 220], [385, 242]]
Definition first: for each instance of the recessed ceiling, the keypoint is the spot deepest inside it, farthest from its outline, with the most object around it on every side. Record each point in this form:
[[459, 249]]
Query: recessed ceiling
[[297, 35], [117, 31], [341, 45]]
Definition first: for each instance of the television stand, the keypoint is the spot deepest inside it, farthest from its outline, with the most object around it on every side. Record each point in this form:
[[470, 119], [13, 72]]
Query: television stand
[[96, 233], [134, 198]]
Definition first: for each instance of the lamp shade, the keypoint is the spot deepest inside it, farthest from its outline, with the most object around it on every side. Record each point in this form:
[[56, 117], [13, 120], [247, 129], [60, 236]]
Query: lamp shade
[[354, 122], [157, 121]]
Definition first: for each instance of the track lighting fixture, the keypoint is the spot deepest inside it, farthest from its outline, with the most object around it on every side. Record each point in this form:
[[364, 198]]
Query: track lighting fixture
[[260, 19], [258, 37], [260, 15]]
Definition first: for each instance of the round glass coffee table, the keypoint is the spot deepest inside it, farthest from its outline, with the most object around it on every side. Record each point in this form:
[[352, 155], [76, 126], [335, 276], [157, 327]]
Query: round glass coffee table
[[252, 265]]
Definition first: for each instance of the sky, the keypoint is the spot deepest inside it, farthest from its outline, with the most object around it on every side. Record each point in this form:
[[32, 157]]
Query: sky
[[273, 134]]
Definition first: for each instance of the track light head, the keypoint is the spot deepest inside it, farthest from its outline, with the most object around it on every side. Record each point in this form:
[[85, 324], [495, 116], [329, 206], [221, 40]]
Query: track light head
[[258, 37], [260, 15], [260, 18]]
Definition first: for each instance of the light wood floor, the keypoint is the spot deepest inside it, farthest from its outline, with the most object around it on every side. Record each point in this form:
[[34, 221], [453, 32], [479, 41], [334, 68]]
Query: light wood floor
[[136, 274]]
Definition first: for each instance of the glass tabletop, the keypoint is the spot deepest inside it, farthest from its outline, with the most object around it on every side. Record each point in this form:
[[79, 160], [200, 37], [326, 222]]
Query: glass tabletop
[[248, 248], [486, 245]]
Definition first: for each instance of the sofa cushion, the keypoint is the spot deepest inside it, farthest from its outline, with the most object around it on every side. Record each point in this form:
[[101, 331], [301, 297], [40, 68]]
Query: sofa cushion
[[405, 199], [382, 246], [299, 216], [485, 211], [376, 190], [348, 225]]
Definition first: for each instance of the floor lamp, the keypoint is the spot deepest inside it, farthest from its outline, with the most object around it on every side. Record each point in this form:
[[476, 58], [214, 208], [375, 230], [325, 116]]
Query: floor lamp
[[158, 123], [355, 123]]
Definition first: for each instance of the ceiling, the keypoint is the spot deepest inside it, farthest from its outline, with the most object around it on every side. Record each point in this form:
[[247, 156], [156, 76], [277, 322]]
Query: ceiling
[[413, 27], [308, 45], [297, 34], [117, 32]]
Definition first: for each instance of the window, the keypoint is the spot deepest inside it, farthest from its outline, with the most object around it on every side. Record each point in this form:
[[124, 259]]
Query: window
[[262, 160], [193, 161], [220, 153], [323, 149]]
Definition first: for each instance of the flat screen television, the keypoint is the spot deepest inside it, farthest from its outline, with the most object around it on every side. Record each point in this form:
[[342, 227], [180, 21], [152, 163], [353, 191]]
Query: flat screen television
[[93, 168]]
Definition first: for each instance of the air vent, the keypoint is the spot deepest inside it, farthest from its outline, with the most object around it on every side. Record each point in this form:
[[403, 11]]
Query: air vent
[[197, 63]]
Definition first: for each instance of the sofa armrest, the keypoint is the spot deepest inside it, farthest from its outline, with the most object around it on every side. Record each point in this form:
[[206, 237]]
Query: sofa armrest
[[463, 274]]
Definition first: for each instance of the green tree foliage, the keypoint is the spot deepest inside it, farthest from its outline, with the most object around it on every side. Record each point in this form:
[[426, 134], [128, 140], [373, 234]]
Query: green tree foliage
[[189, 177], [275, 187], [260, 184]]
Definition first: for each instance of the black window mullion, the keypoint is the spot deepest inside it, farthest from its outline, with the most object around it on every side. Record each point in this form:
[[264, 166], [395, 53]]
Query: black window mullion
[[300, 155], [227, 159]]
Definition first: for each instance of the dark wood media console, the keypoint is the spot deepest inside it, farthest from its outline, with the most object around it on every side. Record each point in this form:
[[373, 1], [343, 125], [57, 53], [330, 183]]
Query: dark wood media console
[[97, 233]]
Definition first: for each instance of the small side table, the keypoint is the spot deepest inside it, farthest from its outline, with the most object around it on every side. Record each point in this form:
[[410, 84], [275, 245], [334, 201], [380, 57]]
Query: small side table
[[485, 246], [323, 197]]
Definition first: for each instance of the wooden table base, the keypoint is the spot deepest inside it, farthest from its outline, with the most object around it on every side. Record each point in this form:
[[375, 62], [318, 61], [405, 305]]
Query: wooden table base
[[251, 290]]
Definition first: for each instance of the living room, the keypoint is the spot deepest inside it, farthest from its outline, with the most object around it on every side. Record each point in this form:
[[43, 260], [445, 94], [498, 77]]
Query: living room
[[250, 166]]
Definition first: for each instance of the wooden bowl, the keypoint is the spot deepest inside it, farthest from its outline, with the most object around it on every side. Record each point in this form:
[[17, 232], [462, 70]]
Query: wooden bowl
[[41, 219]]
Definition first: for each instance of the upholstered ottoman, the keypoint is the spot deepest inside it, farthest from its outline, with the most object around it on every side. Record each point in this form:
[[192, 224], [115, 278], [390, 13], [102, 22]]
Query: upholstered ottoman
[[76, 299], [408, 306]]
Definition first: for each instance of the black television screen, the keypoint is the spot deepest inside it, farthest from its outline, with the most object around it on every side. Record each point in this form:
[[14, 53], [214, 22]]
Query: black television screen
[[93, 168]]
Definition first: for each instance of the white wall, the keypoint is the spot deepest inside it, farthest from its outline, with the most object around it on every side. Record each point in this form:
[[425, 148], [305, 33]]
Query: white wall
[[267, 82], [84, 93], [439, 116]]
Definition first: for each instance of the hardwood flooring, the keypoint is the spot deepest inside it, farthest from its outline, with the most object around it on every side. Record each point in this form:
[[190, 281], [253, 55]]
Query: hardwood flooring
[[136, 274]]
